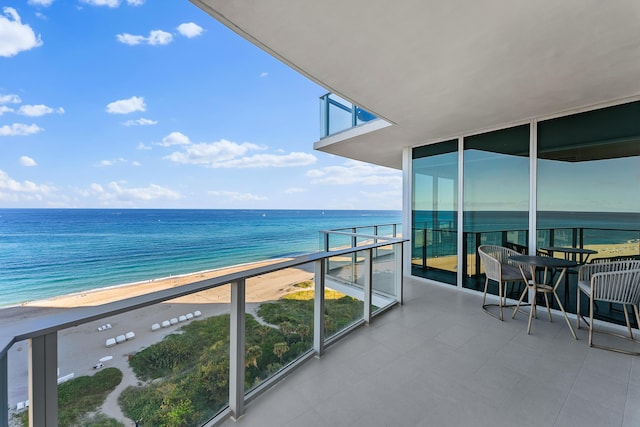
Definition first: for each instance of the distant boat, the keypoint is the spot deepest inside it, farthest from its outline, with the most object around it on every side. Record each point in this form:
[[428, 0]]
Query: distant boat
[[264, 214], [322, 212]]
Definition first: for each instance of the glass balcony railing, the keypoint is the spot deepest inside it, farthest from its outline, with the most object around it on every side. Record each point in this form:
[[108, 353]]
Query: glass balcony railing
[[194, 354], [434, 252], [337, 114]]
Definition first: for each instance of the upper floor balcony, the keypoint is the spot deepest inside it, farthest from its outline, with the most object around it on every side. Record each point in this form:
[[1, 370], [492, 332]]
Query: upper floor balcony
[[337, 115]]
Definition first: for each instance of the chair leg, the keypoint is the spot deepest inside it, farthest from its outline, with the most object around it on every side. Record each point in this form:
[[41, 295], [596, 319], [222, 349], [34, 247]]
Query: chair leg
[[626, 318], [546, 301], [591, 320], [500, 292], [578, 308], [484, 296], [524, 292], [635, 311], [533, 308]]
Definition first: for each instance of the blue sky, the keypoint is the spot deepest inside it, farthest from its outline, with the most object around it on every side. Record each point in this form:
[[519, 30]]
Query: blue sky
[[154, 104]]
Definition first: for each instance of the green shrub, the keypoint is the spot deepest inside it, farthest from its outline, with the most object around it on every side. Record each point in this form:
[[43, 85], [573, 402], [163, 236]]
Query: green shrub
[[188, 373], [81, 396]]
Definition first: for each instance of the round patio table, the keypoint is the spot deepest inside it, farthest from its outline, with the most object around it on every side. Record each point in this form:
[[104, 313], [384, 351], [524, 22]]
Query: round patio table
[[545, 287]]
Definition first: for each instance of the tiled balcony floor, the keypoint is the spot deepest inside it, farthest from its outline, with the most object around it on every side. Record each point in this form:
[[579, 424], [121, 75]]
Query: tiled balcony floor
[[439, 360]]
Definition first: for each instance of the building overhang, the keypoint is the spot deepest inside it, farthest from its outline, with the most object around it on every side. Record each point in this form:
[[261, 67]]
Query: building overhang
[[435, 70]]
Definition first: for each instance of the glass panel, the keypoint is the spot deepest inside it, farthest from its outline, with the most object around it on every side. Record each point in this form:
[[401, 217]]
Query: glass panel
[[338, 114], [18, 382], [340, 117], [385, 287], [279, 321], [176, 367], [496, 196], [588, 184], [344, 294], [434, 211]]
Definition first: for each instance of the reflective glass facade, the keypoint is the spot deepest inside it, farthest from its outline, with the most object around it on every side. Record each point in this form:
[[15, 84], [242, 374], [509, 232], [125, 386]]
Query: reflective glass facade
[[587, 195], [434, 212], [496, 195]]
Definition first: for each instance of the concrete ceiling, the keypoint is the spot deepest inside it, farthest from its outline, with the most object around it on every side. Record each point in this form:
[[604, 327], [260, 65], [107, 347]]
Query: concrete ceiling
[[439, 69]]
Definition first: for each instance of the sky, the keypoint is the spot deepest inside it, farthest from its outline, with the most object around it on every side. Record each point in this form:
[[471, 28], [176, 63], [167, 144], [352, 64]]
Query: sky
[[154, 104]]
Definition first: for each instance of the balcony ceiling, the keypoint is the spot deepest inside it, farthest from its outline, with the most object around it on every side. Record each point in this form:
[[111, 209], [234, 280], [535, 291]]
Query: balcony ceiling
[[437, 69]]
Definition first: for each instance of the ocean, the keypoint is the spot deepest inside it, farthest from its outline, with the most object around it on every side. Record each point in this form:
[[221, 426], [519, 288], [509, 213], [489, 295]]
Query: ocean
[[50, 252]]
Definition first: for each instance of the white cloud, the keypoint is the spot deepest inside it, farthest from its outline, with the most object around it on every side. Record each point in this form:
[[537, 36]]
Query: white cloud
[[108, 3], [126, 106], [10, 99], [118, 192], [43, 3], [136, 163], [38, 110], [190, 30], [243, 197], [156, 37], [27, 161], [270, 161], [15, 36], [140, 122], [295, 190], [174, 138], [10, 189], [211, 154], [265, 74], [354, 172], [227, 154], [106, 163], [5, 109], [19, 129], [130, 39], [142, 146]]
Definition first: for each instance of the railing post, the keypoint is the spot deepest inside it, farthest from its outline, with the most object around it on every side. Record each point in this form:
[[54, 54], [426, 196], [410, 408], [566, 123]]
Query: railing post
[[400, 273], [4, 391], [424, 248], [43, 380], [354, 115], [318, 308], [375, 233], [465, 255], [368, 284], [354, 256], [236, 351], [326, 249], [477, 244]]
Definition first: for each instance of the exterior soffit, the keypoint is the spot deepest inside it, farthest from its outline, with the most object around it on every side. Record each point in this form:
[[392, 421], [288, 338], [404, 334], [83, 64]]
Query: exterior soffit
[[436, 69]]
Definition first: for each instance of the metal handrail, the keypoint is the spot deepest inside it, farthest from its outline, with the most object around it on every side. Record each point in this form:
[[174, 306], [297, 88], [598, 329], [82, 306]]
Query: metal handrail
[[42, 329]]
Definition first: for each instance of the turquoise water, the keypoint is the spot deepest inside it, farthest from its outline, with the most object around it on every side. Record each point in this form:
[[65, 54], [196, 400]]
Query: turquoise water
[[49, 252]]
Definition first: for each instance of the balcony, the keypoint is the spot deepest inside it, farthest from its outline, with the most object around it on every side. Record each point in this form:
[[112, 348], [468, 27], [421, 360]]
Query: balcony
[[434, 359], [438, 360], [337, 115], [188, 370]]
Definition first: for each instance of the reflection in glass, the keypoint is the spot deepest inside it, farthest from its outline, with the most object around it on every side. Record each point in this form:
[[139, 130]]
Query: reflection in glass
[[435, 205], [588, 184], [496, 196]]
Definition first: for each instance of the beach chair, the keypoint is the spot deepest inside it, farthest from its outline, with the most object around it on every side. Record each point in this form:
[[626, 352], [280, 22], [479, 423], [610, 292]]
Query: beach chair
[[613, 282], [499, 268]]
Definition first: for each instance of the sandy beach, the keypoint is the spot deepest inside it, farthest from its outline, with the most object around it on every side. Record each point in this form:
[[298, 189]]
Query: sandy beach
[[81, 348]]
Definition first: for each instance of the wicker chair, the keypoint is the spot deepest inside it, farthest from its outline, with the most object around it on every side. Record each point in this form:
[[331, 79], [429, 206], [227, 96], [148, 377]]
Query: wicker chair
[[613, 282], [498, 267]]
